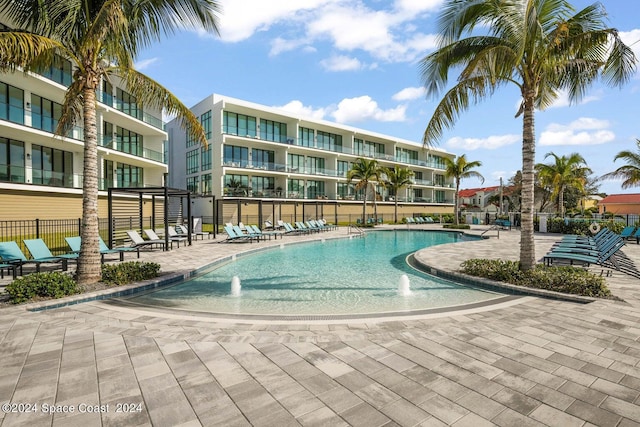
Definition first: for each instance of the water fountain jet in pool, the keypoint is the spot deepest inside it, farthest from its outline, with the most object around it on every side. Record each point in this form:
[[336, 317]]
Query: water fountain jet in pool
[[404, 287], [235, 286]]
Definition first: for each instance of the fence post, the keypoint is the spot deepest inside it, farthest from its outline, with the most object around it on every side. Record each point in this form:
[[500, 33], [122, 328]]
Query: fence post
[[37, 228], [79, 226]]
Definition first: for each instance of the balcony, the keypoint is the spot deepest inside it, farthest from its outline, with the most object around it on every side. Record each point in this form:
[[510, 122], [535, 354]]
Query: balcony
[[131, 110], [146, 153]]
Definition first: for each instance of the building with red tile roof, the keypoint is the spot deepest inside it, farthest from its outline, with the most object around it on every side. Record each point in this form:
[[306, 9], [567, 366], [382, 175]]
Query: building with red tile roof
[[620, 204]]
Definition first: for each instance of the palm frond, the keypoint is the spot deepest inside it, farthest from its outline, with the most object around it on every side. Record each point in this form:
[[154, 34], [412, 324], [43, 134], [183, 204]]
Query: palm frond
[[149, 92], [26, 50]]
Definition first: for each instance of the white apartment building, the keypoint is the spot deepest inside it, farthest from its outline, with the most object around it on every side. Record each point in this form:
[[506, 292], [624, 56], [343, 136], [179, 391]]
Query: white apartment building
[[260, 152], [41, 174]]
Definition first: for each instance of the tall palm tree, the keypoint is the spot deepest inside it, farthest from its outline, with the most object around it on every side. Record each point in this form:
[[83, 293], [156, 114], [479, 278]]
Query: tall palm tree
[[630, 172], [366, 172], [101, 38], [541, 46], [396, 179], [460, 169], [563, 173]]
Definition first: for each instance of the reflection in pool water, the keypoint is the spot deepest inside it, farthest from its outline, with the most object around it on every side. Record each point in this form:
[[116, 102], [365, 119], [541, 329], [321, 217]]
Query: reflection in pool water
[[341, 276]]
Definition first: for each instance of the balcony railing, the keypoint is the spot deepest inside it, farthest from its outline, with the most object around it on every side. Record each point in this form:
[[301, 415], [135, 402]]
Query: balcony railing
[[137, 113], [108, 141]]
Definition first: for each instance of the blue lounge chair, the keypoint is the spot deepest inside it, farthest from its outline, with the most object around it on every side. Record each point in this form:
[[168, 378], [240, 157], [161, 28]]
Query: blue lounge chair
[[40, 253], [627, 232], [637, 235], [232, 236], [268, 234], [75, 244], [288, 229]]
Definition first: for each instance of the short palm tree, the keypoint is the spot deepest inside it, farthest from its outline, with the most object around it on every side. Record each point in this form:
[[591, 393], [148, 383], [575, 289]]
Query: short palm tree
[[541, 46], [460, 169], [396, 179], [630, 173], [563, 173], [366, 172], [101, 38]]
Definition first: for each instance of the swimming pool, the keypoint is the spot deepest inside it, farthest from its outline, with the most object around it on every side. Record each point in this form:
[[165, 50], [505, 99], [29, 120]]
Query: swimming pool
[[332, 277]]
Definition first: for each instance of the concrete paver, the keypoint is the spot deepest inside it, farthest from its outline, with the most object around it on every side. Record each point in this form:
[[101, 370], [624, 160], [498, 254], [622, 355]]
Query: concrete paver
[[531, 362]]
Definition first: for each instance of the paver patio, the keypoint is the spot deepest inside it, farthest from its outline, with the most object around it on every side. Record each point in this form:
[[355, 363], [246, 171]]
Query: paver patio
[[532, 361]]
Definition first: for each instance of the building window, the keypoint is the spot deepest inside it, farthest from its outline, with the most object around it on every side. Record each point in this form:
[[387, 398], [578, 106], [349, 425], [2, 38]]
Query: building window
[[236, 185], [236, 156], [262, 186], [193, 161], [262, 158], [295, 162], [343, 167], [345, 191], [367, 148], [128, 104], [107, 175], [273, 131], [315, 165], [106, 97], [406, 156], [192, 184], [11, 103], [128, 141], [417, 194], [51, 166], [129, 176], [206, 185], [315, 189], [417, 176], [306, 137], [11, 160], [440, 196], [436, 162], [205, 158], [59, 71], [329, 141], [238, 124], [439, 180], [205, 120], [45, 113], [295, 188]]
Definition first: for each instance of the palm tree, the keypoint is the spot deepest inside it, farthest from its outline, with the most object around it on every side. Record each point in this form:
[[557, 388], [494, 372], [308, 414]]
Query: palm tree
[[396, 179], [630, 172], [101, 38], [460, 169], [563, 173], [541, 46], [365, 171]]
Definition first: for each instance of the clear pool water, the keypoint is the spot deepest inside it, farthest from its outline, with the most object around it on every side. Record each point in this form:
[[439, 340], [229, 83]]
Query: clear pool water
[[342, 276]]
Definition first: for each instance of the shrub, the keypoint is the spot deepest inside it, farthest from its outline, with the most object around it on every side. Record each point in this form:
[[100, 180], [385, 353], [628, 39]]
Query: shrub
[[571, 280], [45, 285], [128, 272]]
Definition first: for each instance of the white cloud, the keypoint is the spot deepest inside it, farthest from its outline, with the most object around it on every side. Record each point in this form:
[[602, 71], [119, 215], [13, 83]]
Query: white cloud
[[583, 131], [387, 33], [240, 19], [409, 94], [362, 108], [489, 143], [297, 108], [563, 100], [145, 63], [341, 63], [630, 38]]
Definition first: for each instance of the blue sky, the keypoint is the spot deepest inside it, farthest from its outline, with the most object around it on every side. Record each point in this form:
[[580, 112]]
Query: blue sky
[[356, 62]]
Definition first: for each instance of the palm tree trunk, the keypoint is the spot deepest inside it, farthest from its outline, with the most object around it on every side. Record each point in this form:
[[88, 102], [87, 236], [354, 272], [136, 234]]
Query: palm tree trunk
[[375, 202], [364, 205], [395, 208], [561, 202], [89, 269], [527, 244]]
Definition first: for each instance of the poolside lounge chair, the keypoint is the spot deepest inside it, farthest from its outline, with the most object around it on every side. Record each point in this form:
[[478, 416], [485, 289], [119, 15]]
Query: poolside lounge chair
[[40, 253], [324, 222], [173, 235], [268, 234], [232, 236], [289, 229], [76, 242], [627, 232], [197, 229], [9, 267], [137, 241]]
